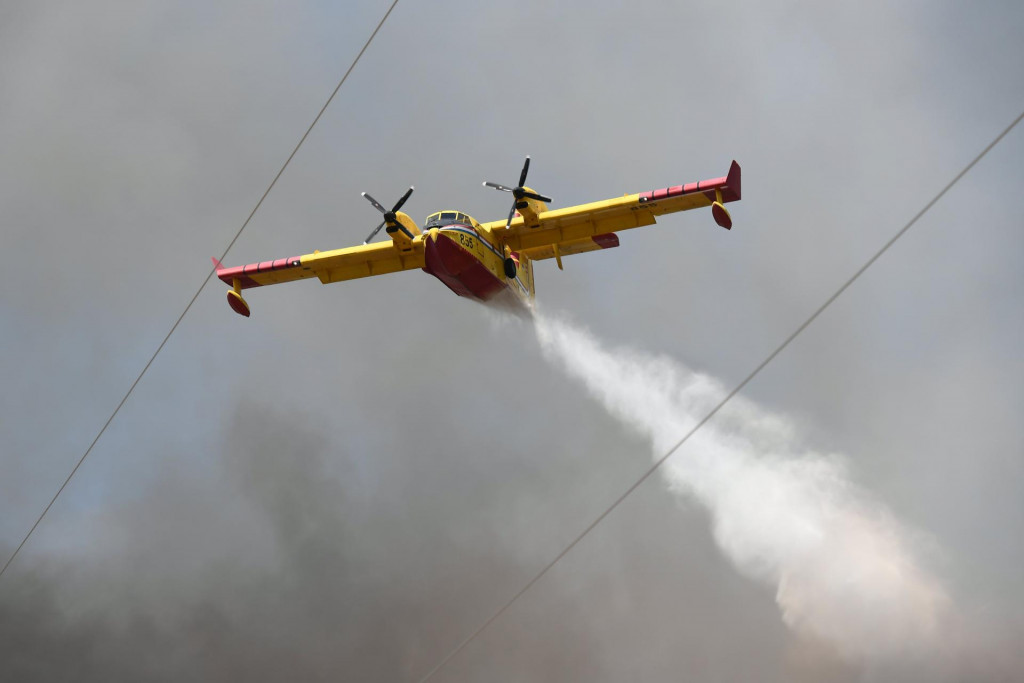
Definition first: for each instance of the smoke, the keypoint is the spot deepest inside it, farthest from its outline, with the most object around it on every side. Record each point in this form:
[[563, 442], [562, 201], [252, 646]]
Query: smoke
[[843, 568], [295, 555]]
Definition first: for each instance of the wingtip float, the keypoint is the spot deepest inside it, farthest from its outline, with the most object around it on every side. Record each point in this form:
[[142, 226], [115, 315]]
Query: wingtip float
[[487, 261]]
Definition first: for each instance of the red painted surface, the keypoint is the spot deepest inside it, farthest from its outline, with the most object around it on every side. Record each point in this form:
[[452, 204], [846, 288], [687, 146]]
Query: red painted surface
[[459, 270], [237, 305], [711, 184], [227, 275], [733, 184], [607, 240], [728, 185], [721, 216], [242, 273]]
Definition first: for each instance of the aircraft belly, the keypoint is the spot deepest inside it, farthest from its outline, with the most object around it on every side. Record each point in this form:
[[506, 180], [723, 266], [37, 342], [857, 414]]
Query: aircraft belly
[[459, 267]]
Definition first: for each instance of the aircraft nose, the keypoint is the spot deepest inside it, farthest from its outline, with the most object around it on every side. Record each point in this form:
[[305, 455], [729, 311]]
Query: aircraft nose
[[445, 258]]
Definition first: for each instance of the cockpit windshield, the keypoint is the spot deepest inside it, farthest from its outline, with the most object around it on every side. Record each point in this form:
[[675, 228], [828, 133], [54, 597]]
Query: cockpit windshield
[[445, 218]]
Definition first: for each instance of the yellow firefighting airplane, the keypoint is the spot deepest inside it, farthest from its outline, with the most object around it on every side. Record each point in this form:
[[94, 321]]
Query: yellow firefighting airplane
[[490, 262]]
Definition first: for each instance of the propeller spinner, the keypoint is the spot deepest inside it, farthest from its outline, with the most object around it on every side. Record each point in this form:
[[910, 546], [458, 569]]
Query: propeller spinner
[[389, 216], [519, 192]]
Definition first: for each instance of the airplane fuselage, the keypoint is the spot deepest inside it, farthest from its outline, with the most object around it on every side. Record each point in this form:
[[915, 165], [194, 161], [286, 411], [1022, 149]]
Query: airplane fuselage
[[469, 265]]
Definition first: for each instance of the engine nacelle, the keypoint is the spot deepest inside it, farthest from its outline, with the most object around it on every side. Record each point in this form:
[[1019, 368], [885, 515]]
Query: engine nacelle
[[529, 209], [402, 231]]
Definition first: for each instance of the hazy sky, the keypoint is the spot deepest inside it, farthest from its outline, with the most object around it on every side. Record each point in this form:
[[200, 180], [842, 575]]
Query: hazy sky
[[348, 483]]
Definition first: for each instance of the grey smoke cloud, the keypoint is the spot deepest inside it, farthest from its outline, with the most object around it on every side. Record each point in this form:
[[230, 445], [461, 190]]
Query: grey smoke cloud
[[418, 467]]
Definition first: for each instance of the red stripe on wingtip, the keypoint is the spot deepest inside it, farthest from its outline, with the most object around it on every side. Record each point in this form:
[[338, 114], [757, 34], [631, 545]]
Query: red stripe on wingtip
[[711, 184], [242, 273], [728, 185], [236, 273]]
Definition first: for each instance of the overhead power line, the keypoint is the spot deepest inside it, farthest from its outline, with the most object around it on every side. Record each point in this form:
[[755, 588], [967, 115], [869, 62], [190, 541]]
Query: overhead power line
[[658, 463], [195, 296]]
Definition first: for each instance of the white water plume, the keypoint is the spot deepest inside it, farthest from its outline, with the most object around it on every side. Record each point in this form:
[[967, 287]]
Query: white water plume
[[842, 566]]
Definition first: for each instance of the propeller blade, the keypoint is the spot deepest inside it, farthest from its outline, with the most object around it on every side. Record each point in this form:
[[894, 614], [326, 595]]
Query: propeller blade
[[496, 186], [375, 203], [526, 168], [375, 231], [403, 199], [519, 192]]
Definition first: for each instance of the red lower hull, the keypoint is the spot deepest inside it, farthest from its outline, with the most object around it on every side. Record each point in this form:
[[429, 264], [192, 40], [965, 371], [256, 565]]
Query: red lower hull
[[460, 271]]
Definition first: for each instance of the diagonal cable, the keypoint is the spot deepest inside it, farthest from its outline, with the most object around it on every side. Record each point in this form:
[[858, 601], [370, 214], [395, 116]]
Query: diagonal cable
[[195, 296], [646, 475]]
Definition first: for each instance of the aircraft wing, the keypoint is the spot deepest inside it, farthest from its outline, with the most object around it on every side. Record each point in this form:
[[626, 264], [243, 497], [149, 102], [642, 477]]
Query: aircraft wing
[[336, 265], [574, 227]]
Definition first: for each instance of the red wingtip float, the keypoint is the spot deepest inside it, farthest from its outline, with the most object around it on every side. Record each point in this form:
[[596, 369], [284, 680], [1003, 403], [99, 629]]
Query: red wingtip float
[[721, 215], [235, 300], [237, 303], [488, 261]]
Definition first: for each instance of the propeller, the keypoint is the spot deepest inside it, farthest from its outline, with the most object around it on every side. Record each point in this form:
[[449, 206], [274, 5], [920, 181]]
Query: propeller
[[389, 216], [519, 192]]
